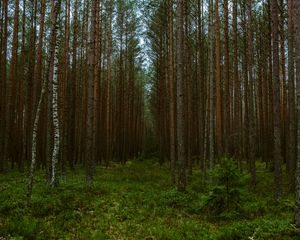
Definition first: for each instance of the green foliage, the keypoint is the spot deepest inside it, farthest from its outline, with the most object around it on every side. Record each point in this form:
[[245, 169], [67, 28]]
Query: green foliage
[[22, 226], [41, 207], [137, 201], [228, 193], [258, 229], [176, 199]]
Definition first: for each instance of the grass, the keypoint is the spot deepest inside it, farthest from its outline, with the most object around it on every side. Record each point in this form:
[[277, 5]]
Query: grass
[[137, 201]]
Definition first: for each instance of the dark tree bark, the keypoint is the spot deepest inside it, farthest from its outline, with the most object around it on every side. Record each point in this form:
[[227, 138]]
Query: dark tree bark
[[171, 92], [277, 152], [296, 16], [219, 118], [180, 96], [90, 97], [251, 97], [292, 136]]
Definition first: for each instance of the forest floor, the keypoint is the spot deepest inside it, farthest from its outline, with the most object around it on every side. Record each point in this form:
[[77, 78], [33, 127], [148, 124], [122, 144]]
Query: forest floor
[[137, 201]]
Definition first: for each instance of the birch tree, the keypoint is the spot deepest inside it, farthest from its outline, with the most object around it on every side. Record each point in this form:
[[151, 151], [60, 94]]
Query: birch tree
[[52, 67]]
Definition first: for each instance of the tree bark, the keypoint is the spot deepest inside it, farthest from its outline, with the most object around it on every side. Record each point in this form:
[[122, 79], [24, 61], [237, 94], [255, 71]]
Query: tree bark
[[251, 97], [53, 54], [171, 92], [291, 97], [3, 67], [219, 118], [90, 97], [277, 151], [211, 88], [180, 96], [296, 16]]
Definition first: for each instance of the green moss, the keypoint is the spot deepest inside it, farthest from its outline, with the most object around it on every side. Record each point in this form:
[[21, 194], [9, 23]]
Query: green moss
[[137, 201]]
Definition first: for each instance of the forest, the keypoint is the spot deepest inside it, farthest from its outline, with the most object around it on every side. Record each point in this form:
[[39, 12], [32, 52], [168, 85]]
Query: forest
[[140, 119]]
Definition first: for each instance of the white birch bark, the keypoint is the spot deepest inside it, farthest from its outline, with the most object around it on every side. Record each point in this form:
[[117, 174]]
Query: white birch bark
[[34, 136], [54, 27], [55, 119]]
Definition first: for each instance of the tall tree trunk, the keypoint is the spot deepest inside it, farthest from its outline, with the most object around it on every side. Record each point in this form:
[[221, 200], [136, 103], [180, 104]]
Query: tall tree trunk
[[227, 105], [21, 87], [38, 77], [55, 117], [108, 141], [31, 85], [237, 87], [64, 92], [211, 88], [251, 97], [219, 119], [277, 152], [296, 16], [291, 97], [3, 67], [180, 96], [283, 93], [90, 97], [11, 88], [96, 90], [72, 83], [171, 92], [53, 54]]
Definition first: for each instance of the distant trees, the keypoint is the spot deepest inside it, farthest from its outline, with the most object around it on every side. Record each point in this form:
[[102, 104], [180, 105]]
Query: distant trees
[[86, 82], [71, 85], [242, 102]]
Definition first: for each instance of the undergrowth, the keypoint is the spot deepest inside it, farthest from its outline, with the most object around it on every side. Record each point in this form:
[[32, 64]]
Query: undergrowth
[[137, 201]]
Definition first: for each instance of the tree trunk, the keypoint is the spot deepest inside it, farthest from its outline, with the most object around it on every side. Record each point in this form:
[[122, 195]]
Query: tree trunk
[[211, 88], [277, 152], [53, 54], [296, 16], [90, 97], [72, 83], [219, 118], [55, 102], [251, 97], [108, 141], [291, 97], [171, 92], [226, 102], [3, 67], [11, 87], [180, 96]]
